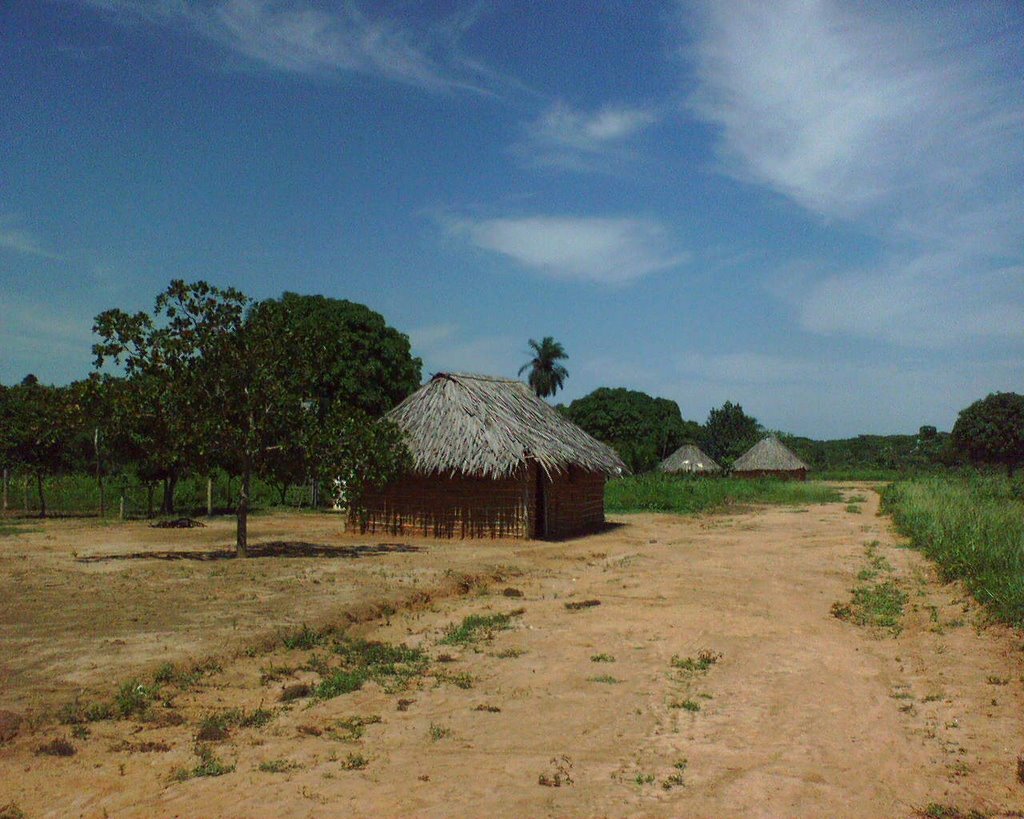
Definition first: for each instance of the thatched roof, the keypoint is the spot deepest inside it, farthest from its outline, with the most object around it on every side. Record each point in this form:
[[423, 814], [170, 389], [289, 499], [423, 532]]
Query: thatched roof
[[478, 425], [768, 454], [689, 458]]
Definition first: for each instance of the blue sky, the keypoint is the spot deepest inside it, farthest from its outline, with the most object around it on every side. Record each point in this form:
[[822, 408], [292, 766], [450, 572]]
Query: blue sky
[[813, 208]]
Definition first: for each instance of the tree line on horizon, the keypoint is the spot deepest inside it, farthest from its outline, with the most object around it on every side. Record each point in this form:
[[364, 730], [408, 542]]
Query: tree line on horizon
[[293, 389]]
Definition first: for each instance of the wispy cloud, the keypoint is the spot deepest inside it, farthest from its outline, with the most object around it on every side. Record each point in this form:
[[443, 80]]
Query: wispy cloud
[[15, 237], [909, 124], [54, 332], [604, 250], [582, 140], [446, 347], [302, 37]]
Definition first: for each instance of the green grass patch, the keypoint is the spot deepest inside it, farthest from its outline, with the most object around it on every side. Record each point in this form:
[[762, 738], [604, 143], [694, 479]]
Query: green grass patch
[[208, 765], [602, 658], [477, 627], [696, 665], [278, 766], [657, 492], [972, 526], [875, 605], [305, 638]]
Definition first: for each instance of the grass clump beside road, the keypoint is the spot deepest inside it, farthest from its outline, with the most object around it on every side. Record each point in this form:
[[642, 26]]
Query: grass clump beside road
[[476, 627], [973, 528], [657, 492]]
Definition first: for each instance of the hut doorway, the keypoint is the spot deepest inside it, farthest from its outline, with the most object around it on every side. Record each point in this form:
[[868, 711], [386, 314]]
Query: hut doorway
[[541, 506]]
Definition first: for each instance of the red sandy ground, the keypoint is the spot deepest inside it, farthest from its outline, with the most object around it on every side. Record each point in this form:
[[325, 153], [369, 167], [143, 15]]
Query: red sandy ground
[[804, 714]]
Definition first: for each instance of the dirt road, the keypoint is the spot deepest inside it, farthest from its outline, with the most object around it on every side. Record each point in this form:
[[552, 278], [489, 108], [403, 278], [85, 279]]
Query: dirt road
[[713, 678]]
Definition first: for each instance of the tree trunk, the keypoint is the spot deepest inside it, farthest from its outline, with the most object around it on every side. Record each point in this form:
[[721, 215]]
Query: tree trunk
[[99, 471], [42, 496], [6, 484], [170, 484], [24, 493], [242, 541], [283, 489], [209, 496], [121, 508], [150, 489]]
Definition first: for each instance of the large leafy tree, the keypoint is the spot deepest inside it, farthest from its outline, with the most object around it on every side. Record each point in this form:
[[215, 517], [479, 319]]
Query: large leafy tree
[[991, 430], [546, 376], [729, 432], [339, 351], [42, 430], [229, 371], [643, 429]]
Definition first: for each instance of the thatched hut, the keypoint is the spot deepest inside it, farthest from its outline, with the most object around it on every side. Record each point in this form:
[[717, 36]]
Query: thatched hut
[[769, 457], [490, 459], [689, 459]]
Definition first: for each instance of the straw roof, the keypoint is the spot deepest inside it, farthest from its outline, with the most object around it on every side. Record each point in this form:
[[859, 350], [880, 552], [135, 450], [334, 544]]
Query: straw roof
[[458, 423], [689, 458], [768, 454]]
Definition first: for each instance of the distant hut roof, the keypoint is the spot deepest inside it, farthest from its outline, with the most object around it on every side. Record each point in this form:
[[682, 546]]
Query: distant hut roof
[[689, 458], [768, 454], [480, 425]]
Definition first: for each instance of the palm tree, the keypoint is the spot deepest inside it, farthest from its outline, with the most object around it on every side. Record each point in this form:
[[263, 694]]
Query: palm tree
[[546, 374]]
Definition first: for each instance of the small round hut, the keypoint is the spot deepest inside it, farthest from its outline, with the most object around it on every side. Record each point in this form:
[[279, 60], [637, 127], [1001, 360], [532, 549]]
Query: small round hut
[[689, 459], [769, 457], [491, 459]]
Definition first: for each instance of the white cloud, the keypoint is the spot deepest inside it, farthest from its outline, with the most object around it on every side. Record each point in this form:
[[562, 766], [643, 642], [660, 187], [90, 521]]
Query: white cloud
[[51, 339], [446, 348], [582, 141], [22, 240], [604, 250], [303, 37], [909, 125]]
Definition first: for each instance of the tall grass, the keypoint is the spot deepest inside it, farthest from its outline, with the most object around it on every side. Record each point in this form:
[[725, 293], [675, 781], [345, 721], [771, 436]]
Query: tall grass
[[973, 527], [657, 492], [858, 474]]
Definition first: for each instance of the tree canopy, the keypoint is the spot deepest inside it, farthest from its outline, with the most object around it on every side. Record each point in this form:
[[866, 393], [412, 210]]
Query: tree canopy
[[546, 376], [40, 429], [337, 350], [223, 374], [643, 429], [991, 430], [729, 432]]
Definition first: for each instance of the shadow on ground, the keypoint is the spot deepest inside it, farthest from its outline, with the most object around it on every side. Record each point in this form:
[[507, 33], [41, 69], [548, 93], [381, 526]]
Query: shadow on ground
[[277, 548]]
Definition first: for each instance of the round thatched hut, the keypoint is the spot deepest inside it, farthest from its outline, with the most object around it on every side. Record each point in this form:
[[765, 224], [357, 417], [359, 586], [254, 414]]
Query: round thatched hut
[[689, 459], [491, 459], [769, 457]]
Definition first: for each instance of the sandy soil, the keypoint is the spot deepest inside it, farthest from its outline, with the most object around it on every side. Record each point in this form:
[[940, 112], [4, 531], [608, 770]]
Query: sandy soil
[[800, 714]]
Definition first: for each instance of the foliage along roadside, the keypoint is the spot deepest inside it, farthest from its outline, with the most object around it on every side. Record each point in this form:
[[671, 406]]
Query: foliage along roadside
[[657, 492], [973, 528]]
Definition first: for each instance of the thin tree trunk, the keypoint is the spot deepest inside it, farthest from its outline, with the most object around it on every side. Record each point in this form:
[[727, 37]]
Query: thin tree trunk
[[24, 493], [6, 484], [121, 508], [42, 496], [99, 471], [209, 496], [242, 540], [170, 485], [150, 489]]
